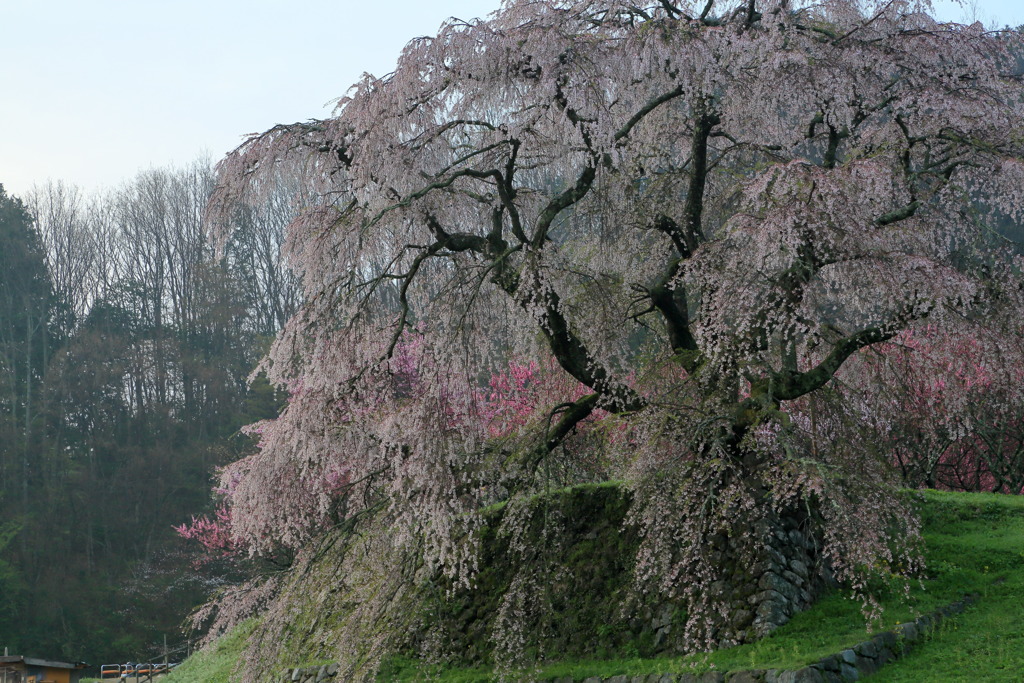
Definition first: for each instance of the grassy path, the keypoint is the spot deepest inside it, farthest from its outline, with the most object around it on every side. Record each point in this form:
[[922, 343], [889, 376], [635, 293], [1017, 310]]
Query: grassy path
[[984, 536]]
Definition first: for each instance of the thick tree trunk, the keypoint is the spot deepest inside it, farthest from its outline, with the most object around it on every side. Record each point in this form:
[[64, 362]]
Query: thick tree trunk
[[766, 564]]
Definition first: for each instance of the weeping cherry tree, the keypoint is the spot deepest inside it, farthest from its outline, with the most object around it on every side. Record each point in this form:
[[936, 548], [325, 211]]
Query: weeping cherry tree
[[687, 217]]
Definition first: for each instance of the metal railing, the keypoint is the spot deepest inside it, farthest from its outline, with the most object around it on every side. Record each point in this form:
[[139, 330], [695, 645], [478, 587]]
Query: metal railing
[[138, 673]]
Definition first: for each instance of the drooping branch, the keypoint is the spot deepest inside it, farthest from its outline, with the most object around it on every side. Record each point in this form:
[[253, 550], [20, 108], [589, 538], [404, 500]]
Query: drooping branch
[[544, 304], [507, 192], [667, 296], [586, 179], [835, 136], [786, 386], [650, 106], [572, 414], [403, 294], [435, 133], [899, 214], [446, 242], [693, 211], [562, 201], [669, 227], [569, 350], [670, 9], [432, 187]]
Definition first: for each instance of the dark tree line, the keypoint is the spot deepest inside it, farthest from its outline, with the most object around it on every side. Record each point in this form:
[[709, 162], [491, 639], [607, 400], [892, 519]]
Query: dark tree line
[[126, 342]]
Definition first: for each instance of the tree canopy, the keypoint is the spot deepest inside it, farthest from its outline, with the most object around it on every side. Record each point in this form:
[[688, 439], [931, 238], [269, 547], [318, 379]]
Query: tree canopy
[[682, 219]]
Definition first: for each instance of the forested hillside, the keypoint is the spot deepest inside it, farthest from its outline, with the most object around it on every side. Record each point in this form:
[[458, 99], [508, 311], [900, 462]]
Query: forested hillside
[[125, 347]]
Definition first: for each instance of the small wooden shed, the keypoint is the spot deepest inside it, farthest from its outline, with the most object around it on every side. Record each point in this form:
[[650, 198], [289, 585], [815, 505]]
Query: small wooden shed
[[19, 669]]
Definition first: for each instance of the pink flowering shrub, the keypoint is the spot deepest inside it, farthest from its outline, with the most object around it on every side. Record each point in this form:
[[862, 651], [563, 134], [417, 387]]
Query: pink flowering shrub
[[524, 391], [511, 398], [949, 408], [213, 534]]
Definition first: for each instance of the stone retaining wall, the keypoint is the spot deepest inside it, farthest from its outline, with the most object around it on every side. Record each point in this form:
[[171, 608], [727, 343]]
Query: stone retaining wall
[[310, 674], [765, 595], [849, 665], [852, 664]]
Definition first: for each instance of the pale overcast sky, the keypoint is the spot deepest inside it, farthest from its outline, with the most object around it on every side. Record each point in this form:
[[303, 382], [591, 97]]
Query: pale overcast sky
[[93, 91]]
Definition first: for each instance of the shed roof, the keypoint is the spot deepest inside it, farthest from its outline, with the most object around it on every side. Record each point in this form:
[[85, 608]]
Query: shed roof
[[33, 661]]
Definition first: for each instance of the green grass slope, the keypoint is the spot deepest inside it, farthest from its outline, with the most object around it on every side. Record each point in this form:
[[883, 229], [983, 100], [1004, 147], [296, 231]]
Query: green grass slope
[[215, 663], [976, 539]]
